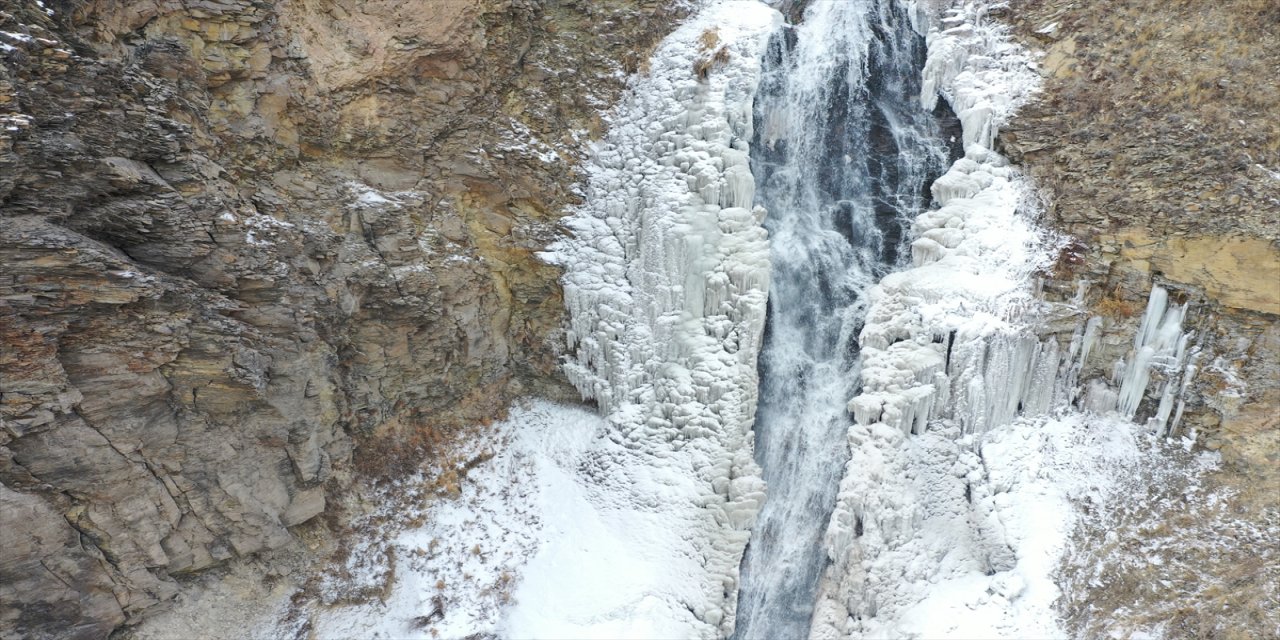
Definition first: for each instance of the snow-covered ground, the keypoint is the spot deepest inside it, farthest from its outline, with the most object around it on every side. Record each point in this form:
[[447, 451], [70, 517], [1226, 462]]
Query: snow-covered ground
[[965, 534], [563, 533], [567, 533]]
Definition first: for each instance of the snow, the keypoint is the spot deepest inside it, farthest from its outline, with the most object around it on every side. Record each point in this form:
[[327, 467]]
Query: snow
[[959, 536], [565, 532], [521, 140], [1023, 486], [365, 197], [977, 68], [20, 37]]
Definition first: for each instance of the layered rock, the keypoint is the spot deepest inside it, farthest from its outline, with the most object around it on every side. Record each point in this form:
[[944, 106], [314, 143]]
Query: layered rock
[[1170, 176], [243, 243]]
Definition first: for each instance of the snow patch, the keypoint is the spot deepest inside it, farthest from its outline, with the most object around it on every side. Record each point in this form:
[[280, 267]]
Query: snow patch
[[565, 532]]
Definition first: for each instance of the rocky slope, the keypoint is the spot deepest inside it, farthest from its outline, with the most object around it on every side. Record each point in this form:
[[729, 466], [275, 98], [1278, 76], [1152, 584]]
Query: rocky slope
[[245, 244]]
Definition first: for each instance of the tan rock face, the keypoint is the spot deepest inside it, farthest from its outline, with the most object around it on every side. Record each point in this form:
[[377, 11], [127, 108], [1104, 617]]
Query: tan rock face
[[349, 42], [242, 243], [1239, 272], [1158, 152]]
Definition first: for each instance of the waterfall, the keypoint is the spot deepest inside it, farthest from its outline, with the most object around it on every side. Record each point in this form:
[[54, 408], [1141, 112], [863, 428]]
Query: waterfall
[[843, 157]]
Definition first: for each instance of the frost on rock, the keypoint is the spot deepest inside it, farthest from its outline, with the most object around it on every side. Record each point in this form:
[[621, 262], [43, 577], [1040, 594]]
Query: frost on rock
[[666, 278]]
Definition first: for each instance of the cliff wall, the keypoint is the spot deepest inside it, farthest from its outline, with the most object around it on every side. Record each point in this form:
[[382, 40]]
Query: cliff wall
[[1157, 145], [245, 244]]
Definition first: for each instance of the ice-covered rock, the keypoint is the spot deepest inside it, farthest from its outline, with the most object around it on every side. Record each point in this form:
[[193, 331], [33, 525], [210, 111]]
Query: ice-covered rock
[[666, 280], [948, 355]]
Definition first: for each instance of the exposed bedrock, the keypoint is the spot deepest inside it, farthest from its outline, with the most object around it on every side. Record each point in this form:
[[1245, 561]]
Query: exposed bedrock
[[241, 242]]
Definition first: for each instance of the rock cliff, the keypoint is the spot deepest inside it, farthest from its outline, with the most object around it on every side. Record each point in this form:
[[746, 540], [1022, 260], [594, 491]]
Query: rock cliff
[[1158, 149], [250, 252], [247, 243]]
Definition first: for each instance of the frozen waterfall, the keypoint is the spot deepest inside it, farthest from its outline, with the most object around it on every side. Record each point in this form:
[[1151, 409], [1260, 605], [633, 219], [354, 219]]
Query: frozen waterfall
[[843, 157]]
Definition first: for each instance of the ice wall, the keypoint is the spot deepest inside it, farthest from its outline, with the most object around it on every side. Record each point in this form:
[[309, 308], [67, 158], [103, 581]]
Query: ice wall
[[947, 340], [666, 279]]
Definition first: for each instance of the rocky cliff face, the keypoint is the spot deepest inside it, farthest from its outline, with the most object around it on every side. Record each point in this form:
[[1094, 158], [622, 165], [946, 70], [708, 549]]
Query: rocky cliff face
[[1158, 148], [244, 242], [246, 245], [1160, 155]]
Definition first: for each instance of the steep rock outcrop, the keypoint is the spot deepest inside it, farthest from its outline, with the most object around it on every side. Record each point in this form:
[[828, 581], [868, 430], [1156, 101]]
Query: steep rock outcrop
[[1157, 145], [1169, 174], [244, 242]]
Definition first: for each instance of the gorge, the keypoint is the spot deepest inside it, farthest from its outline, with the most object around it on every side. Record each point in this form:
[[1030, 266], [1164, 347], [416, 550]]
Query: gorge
[[886, 322]]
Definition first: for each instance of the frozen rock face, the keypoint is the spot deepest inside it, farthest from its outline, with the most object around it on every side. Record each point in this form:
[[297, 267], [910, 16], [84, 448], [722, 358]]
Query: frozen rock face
[[239, 240], [961, 353], [667, 270]]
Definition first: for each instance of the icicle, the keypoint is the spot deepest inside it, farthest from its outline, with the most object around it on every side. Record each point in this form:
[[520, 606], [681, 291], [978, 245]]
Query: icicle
[[1160, 342], [1090, 339]]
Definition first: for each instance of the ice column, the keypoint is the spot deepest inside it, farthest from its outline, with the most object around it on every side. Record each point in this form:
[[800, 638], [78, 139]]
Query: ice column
[[666, 278], [1160, 345]]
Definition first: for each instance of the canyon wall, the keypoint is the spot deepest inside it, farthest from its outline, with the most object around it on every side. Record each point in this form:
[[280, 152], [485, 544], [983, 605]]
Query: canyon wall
[[250, 250], [247, 246]]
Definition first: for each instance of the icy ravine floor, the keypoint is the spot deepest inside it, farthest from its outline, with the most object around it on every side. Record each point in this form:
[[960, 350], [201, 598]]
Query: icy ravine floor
[[534, 545], [539, 544]]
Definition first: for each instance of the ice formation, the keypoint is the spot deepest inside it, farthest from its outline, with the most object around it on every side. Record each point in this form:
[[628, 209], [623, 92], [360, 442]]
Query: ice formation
[[948, 355], [667, 272], [954, 487], [1159, 346], [843, 158]]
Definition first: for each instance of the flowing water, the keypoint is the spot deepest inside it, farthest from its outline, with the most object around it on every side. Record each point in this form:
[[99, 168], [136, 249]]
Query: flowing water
[[843, 158]]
